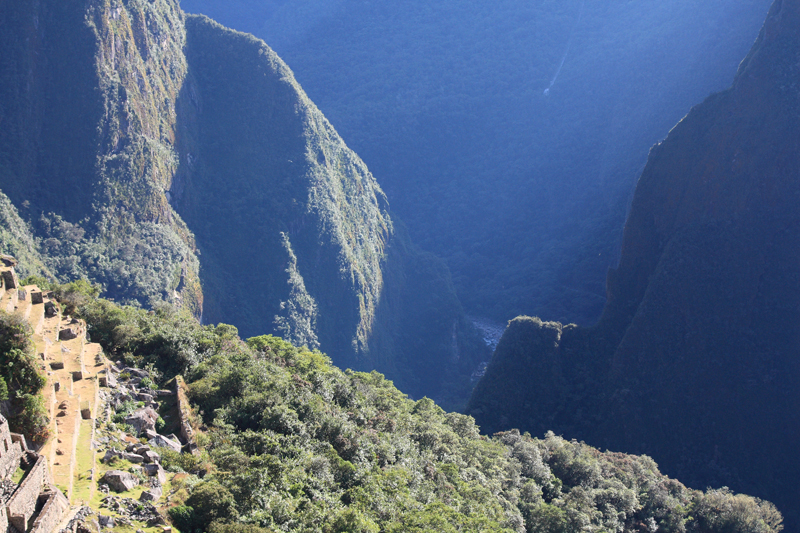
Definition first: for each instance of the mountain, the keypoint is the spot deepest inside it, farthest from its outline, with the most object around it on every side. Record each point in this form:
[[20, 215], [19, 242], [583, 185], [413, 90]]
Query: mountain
[[523, 194], [695, 358], [163, 156]]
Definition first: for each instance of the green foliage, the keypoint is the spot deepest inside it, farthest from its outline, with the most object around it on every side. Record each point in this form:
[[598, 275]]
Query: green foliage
[[184, 518], [17, 240], [721, 510], [295, 444], [22, 381], [212, 502]]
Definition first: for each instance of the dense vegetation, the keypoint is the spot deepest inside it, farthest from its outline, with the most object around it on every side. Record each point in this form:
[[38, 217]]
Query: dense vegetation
[[16, 240], [291, 443], [523, 195], [695, 359], [21, 380]]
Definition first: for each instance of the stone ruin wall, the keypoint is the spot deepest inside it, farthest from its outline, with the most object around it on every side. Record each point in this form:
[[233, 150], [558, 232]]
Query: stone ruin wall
[[50, 515], [11, 450], [184, 409], [22, 505]]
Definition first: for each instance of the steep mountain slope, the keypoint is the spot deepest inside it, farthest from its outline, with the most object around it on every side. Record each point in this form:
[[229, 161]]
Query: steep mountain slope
[[152, 118], [17, 240], [86, 141], [280, 204], [444, 101], [695, 358]]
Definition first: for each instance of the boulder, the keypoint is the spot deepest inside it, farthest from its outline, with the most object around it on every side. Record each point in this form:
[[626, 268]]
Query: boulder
[[120, 481], [50, 310], [132, 457], [69, 333], [142, 420], [151, 495], [157, 471], [160, 441], [143, 397], [37, 297], [137, 372], [151, 457], [106, 521], [110, 456]]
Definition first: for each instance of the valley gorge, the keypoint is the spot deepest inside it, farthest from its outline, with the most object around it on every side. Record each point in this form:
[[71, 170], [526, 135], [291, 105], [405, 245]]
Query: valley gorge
[[252, 334]]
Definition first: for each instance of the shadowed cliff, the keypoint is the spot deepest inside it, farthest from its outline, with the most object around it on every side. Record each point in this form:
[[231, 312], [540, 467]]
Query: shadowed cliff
[[694, 360]]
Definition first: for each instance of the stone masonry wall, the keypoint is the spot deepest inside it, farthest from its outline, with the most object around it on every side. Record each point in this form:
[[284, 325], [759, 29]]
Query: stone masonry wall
[[10, 451], [51, 513], [22, 504], [184, 409]]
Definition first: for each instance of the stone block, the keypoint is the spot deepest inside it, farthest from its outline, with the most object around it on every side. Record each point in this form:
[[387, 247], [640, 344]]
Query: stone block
[[160, 441], [151, 457], [132, 457], [157, 471], [119, 481], [37, 297], [151, 495], [69, 333], [142, 420]]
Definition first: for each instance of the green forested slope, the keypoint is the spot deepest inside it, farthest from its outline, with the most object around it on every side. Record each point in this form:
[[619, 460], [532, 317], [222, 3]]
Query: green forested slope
[[86, 147], [289, 442]]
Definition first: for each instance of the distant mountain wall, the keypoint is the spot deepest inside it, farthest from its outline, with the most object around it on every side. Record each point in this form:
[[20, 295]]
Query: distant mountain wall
[[695, 358], [524, 195], [170, 159]]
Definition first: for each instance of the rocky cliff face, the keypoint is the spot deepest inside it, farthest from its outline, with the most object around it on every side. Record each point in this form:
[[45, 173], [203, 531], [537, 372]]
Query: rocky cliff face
[[169, 158], [695, 358]]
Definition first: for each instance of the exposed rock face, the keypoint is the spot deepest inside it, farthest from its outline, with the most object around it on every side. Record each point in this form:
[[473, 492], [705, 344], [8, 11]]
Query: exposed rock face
[[161, 441], [120, 481], [695, 359], [142, 420]]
